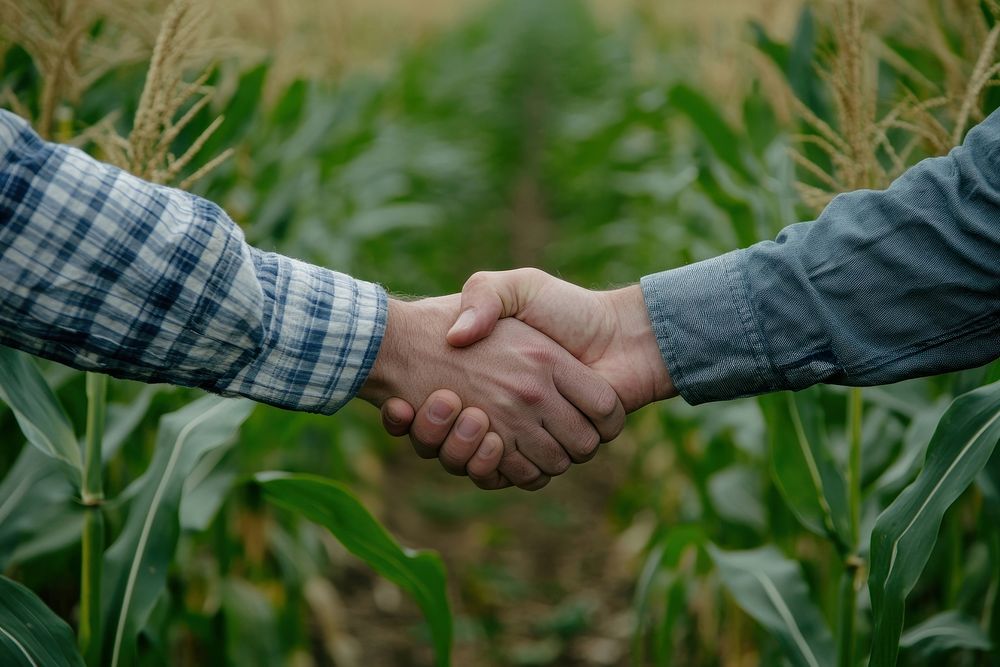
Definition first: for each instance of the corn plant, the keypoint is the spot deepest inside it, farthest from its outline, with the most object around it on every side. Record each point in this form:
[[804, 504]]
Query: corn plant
[[121, 584], [855, 480], [624, 162]]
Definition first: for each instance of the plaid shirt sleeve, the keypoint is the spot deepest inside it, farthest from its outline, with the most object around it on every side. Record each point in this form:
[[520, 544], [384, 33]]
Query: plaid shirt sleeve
[[106, 272]]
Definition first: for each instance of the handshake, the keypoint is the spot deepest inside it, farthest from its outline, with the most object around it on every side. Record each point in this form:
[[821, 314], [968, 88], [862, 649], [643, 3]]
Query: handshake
[[517, 401]]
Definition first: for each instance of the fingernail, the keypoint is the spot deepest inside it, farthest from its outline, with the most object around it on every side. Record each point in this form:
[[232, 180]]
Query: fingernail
[[464, 321], [440, 412], [391, 417], [468, 428], [487, 450]]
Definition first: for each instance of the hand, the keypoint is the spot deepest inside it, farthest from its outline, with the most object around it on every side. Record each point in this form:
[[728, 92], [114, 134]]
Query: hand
[[609, 331], [468, 449], [546, 407]]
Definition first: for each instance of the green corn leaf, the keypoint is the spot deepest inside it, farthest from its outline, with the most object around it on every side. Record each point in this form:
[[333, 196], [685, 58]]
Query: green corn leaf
[[252, 636], [206, 489], [333, 506], [770, 588], [737, 495], [33, 494], [989, 483], [664, 554], [918, 434], [123, 418], [947, 631], [30, 634], [795, 59], [61, 529], [906, 531], [38, 513], [135, 567], [802, 467], [660, 567], [726, 144], [39, 413]]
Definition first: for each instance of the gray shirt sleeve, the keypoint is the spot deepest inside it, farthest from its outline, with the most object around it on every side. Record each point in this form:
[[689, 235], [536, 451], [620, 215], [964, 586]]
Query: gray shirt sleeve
[[883, 286]]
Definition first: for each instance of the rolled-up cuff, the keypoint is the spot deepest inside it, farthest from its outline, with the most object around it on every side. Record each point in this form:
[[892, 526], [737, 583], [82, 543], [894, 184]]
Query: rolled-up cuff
[[706, 331], [323, 332]]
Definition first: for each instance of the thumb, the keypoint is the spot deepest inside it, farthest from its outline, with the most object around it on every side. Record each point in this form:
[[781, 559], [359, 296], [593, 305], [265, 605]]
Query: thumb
[[397, 415], [487, 297]]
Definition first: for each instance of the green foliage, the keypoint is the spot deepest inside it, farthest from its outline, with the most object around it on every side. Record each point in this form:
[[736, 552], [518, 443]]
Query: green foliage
[[943, 633], [135, 566], [528, 134], [802, 464], [771, 588], [35, 501], [38, 412], [30, 634], [905, 533], [329, 504]]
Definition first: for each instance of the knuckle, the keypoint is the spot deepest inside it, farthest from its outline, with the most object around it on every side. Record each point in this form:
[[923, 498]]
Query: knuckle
[[523, 474], [537, 484], [556, 466], [529, 273], [539, 354], [477, 279], [530, 393], [588, 446], [606, 403]]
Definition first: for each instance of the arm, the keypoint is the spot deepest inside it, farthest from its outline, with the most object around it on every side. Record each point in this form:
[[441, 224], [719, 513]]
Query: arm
[[884, 286], [103, 271]]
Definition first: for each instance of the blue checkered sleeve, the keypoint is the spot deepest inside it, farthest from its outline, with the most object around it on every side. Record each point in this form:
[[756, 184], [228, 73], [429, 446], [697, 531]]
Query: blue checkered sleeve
[[106, 272]]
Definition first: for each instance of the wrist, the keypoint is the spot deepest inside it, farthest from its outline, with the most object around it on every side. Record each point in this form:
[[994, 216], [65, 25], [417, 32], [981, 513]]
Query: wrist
[[393, 357], [413, 349], [629, 306]]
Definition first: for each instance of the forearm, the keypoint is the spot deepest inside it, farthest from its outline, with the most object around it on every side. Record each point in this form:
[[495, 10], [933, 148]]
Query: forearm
[[882, 287], [102, 271]]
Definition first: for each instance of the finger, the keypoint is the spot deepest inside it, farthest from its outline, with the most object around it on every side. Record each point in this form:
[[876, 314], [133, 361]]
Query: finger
[[575, 434], [591, 395], [488, 296], [433, 421], [544, 451], [397, 415], [483, 466], [521, 472], [463, 440], [540, 482]]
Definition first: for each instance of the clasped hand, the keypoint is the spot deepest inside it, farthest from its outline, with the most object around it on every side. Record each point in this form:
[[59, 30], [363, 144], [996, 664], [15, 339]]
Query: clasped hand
[[519, 377]]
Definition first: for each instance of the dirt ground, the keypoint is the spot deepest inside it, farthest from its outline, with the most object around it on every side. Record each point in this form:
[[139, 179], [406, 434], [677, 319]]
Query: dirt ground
[[535, 578]]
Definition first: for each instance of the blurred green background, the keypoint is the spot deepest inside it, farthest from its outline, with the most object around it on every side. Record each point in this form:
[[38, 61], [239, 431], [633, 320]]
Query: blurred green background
[[412, 144]]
